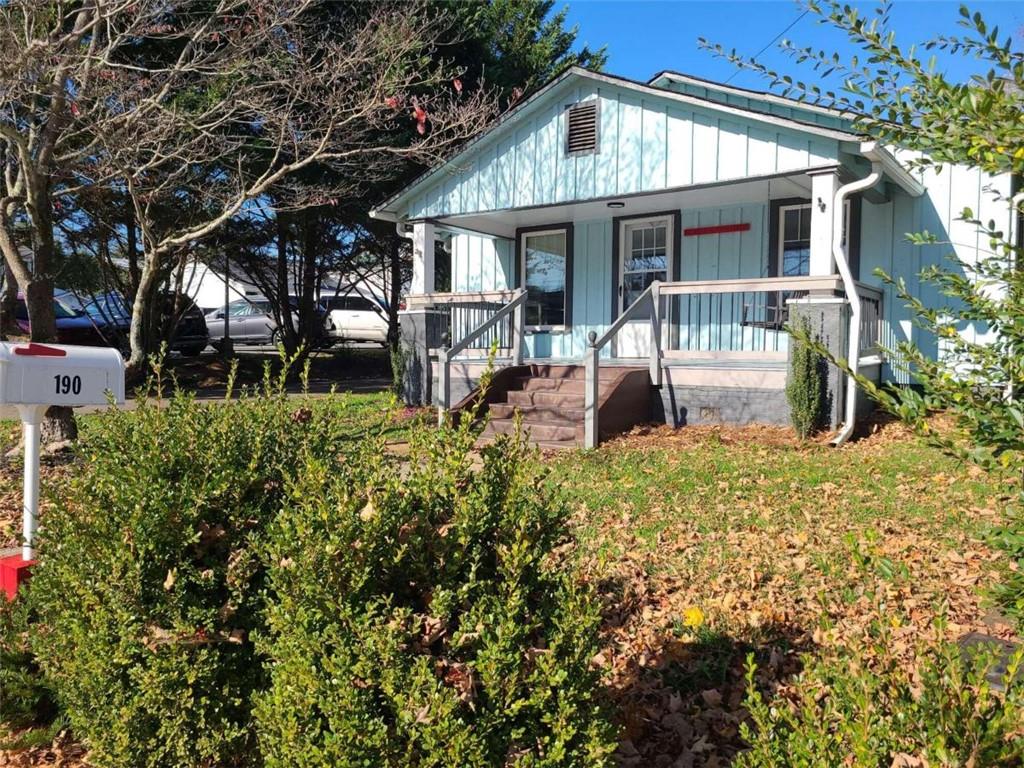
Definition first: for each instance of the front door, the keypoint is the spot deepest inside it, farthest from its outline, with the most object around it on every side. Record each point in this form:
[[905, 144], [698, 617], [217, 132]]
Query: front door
[[645, 252]]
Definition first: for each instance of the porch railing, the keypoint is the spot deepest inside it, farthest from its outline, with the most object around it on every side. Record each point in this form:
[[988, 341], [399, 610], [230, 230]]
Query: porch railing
[[735, 319], [870, 324], [647, 302], [473, 321], [716, 320]]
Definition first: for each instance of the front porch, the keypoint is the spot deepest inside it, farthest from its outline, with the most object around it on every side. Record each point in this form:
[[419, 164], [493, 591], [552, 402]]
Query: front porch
[[696, 286]]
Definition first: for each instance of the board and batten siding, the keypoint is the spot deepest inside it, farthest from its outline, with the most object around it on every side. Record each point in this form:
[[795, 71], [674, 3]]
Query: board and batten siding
[[481, 263], [646, 144], [884, 245]]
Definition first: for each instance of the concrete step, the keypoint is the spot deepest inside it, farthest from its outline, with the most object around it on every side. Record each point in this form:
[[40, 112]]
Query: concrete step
[[546, 433], [546, 397], [538, 414]]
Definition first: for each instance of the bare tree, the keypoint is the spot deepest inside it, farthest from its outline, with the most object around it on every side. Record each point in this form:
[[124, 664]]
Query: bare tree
[[193, 110]]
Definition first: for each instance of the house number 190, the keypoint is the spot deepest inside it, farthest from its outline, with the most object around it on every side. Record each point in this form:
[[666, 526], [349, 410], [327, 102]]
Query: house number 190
[[67, 384]]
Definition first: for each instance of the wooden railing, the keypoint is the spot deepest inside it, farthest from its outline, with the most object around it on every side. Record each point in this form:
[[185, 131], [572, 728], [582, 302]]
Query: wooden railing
[[458, 314], [707, 319], [870, 324], [718, 320], [648, 301], [464, 333]]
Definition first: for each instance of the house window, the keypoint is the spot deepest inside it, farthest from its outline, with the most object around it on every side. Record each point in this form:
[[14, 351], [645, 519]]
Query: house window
[[645, 258], [582, 128], [545, 268], [795, 238]]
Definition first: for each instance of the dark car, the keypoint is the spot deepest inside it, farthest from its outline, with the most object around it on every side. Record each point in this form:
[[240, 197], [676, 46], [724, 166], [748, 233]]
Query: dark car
[[191, 335], [73, 325], [113, 318]]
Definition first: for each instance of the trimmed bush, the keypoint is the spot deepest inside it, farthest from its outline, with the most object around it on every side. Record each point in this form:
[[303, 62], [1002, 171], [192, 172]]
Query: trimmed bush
[[806, 385], [423, 616], [869, 708], [25, 698], [150, 580]]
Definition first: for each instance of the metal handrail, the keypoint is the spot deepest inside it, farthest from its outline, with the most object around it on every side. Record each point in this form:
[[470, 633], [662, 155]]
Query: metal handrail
[[516, 306], [650, 297]]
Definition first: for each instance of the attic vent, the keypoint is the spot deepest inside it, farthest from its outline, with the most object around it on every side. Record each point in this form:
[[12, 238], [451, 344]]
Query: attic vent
[[581, 133]]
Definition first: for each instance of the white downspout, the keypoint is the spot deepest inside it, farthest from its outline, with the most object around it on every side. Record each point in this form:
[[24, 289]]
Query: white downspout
[[839, 253]]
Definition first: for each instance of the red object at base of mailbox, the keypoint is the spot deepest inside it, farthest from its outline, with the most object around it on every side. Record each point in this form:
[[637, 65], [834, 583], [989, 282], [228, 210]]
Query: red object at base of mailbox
[[14, 571]]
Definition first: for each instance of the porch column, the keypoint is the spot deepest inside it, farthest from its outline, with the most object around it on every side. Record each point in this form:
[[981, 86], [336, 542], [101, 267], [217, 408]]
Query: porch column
[[422, 258], [824, 184], [420, 328]]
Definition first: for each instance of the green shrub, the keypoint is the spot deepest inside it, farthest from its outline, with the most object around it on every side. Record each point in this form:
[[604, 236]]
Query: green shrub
[[806, 386], [25, 698], [149, 579], [869, 708], [424, 617]]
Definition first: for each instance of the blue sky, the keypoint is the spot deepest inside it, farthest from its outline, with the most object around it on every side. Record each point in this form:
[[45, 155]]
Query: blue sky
[[646, 36]]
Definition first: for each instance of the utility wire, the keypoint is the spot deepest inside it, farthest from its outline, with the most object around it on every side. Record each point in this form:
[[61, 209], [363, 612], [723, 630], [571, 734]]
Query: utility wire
[[772, 42]]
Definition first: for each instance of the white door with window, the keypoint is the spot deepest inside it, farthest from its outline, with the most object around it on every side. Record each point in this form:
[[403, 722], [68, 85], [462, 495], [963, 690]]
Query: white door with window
[[645, 255]]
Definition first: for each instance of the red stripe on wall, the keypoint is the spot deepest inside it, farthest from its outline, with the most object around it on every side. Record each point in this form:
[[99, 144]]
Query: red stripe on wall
[[719, 230]]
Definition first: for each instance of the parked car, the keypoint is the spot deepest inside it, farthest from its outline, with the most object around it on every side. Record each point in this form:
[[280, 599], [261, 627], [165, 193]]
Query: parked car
[[73, 325], [191, 336], [113, 318], [355, 318], [252, 321]]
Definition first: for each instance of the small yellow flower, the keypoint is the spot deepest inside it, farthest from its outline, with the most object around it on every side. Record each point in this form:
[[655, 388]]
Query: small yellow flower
[[693, 617]]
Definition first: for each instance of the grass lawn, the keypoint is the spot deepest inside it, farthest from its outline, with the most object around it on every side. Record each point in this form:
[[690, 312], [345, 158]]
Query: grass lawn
[[709, 544]]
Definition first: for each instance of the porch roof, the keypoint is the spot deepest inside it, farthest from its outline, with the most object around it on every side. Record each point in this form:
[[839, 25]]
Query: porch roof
[[502, 224]]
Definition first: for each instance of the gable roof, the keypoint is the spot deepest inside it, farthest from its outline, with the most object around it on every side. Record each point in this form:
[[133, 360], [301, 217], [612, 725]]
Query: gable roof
[[386, 210], [672, 75]]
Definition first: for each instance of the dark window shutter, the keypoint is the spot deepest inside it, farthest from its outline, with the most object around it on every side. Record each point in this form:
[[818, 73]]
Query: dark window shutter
[[582, 127]]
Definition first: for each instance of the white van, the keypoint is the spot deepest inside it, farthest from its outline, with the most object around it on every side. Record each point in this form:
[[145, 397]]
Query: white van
[[355, 318]]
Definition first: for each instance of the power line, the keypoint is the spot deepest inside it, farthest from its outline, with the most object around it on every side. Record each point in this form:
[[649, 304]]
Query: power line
[[774, 40]]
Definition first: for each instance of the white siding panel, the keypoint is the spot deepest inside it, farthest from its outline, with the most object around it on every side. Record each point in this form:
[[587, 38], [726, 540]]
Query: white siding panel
[[652, 175], [505, 195], [602, 179], [792, 151], [630, 144], [488, 180], [705, 148], [526, 146], [680, 148], [547, 158], [761, 151], [732, 150]]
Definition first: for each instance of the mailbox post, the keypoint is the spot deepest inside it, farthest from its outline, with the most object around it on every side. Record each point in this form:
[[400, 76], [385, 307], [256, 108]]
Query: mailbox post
[[32, 378]]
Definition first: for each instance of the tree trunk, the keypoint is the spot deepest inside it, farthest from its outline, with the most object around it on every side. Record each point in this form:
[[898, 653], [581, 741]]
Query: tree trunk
[[9, 302], [307, 293], [287, 333], [141, 310]]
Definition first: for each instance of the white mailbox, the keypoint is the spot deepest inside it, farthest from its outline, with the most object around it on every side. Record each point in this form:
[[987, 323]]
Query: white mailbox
[[35, 376]]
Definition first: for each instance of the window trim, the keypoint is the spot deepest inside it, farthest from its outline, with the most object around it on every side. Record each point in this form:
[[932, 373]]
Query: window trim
[[780, 242], [676, 255], [522, 233], [776, 231], [667, 219]]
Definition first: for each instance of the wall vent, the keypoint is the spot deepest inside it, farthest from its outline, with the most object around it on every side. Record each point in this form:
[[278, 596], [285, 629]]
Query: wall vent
[[582, 127]]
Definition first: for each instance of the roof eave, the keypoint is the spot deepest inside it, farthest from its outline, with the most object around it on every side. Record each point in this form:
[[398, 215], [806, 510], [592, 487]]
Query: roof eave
[[904, 179]]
